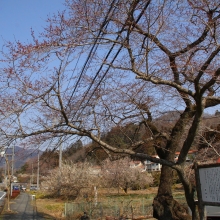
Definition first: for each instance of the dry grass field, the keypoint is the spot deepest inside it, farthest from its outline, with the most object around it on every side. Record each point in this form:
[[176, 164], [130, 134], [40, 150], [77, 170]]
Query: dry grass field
[[54, 208]]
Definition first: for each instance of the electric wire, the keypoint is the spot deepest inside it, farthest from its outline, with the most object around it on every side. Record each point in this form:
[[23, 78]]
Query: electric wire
[[108, 54], [93, 49], [89, 59]]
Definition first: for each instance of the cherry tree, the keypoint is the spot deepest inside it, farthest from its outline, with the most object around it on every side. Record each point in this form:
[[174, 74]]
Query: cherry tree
[[70, 180], [122, 175], [105, 63]]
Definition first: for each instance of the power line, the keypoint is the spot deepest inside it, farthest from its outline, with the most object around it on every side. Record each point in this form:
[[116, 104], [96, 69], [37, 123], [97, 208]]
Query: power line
[[108, 54], [93, 49]]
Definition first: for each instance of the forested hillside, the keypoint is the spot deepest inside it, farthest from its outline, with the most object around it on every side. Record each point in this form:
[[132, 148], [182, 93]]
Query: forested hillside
[[207, 143]]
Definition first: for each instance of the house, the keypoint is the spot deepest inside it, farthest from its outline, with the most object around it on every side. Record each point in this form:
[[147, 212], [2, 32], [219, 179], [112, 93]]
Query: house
[[151, 166], [190, 156], [137, 165], [218, 160], [134, 164]]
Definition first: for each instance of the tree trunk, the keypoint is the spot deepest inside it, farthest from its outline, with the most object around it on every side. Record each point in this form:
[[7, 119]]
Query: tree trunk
[[164, 205]]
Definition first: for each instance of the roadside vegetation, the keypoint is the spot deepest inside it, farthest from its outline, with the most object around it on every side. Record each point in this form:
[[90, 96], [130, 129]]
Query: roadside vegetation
[[55, 207]]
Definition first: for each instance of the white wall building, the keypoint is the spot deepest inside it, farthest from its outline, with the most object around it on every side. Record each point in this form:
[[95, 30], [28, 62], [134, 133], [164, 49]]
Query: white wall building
[[151, 166]]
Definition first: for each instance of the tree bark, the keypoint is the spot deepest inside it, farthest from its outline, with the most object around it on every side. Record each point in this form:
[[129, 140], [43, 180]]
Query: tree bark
[[164, 205]]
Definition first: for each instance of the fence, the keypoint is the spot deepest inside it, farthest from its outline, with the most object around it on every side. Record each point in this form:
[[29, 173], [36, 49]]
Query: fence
[[98, 210]]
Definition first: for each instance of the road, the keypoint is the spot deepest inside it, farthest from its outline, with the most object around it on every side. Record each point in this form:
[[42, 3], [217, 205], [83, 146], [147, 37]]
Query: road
[[22, 208], [2, 196]]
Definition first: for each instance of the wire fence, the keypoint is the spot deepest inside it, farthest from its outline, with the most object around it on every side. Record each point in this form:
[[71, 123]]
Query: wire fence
[[113, 209]]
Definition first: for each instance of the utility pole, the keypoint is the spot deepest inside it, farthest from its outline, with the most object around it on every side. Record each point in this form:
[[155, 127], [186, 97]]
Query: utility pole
[[60, 154], [60, 165], [5, 169], [12, 161], [8, 178], [38, 170], [8, 182], [55, 121], [9, 169], [32, 174]]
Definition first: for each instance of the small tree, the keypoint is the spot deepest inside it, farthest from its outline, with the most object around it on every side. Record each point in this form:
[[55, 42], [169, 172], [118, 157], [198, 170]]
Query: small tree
[[68, 181], [119, 174]]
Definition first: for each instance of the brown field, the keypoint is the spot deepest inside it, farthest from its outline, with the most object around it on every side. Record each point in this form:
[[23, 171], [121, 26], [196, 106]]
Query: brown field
[[54, 208]]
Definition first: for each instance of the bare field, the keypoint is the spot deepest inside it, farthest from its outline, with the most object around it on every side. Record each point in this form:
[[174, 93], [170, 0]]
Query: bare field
[[54, 208]]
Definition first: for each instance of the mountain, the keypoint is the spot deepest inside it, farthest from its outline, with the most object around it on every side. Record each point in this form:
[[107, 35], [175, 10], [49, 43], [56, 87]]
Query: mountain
[[21, 156]]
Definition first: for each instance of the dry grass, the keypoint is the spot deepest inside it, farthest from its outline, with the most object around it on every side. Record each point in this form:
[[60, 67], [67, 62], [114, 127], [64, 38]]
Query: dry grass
[[50, 208], [54, 208]]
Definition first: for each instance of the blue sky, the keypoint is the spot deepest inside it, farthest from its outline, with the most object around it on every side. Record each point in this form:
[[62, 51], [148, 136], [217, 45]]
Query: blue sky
[[18, 16]]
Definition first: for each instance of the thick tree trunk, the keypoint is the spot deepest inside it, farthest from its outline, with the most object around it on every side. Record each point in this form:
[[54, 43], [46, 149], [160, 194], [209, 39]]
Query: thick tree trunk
[[164, 205]]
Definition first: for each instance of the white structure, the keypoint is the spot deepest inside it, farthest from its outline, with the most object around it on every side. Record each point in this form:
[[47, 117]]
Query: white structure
[[151, 166]]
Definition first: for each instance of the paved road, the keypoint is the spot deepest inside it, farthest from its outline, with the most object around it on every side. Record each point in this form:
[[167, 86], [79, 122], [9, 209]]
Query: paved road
[[22, 208], [2, 196]]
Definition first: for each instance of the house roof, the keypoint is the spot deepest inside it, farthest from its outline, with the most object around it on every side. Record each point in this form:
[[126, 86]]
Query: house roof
[[190, 152]]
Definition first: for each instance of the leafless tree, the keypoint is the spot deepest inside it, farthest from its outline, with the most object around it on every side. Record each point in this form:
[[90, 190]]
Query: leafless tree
[[105, 63], [122, 175], [69, 180]]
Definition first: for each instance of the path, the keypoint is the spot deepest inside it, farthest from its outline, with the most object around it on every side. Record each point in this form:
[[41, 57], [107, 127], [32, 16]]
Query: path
[[22, 208]]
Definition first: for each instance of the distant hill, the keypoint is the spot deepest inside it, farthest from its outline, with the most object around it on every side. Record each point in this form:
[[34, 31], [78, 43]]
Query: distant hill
[[21, 156]]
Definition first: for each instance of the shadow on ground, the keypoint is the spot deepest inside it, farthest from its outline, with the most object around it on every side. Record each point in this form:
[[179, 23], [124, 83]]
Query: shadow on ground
[[23, 215]]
